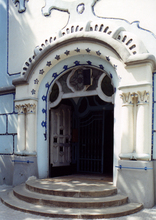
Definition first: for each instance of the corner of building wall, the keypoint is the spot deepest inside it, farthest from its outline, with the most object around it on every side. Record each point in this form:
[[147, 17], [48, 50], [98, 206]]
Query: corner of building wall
[[136, 180], [24, 167]]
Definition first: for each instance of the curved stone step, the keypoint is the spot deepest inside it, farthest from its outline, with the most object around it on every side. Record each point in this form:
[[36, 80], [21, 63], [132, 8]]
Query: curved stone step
[[69, 202], [10, 200], [71, 188]]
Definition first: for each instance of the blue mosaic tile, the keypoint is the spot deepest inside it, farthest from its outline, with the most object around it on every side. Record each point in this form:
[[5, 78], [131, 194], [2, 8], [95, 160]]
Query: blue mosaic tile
[[43, 123], [41, 72], [45, 136], [44, 98], [48, 63], [67, 52], [47, 85], [111, 76], [65, 67], [98, 53], [89, 62], [101, 66], [107, 58], [88, 50], [44, 111], [57, 57], [77, 50], [36, 81], [115, 67], [77, 63], [33, 91], [54, 75]]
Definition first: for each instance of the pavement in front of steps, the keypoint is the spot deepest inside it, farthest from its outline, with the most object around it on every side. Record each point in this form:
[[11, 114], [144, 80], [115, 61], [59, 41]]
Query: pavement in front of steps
[[11, 214]]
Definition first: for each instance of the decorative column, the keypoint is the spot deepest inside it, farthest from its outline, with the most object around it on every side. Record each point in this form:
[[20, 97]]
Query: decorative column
[[142, 124], [30, 128], [21, 138], [127, 125]]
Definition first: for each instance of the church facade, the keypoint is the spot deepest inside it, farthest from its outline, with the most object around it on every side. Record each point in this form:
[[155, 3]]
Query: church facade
[[77, 92]]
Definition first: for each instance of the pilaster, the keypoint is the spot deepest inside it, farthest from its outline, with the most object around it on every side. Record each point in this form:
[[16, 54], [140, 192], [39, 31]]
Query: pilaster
[[26, 129]]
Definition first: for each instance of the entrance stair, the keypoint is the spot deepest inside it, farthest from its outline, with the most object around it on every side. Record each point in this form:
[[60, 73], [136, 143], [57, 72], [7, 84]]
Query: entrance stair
[[73, 196]]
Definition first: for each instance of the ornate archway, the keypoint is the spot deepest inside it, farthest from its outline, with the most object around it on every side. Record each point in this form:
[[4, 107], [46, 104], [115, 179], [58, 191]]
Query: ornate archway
[[103, 46]]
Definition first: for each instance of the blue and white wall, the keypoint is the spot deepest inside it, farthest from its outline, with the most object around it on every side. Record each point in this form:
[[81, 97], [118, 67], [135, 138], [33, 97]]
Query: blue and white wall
[[20, 33]]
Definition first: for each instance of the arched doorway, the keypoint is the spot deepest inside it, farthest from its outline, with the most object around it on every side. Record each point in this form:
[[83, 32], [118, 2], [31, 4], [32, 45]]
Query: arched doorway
[[81, 125]]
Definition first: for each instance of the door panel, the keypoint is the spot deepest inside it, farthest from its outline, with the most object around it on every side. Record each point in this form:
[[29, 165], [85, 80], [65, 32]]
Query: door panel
[[60, 136]]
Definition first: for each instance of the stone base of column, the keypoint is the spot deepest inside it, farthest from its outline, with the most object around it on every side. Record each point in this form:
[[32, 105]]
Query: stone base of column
[[135, 156], [136, 180], [24, 167]]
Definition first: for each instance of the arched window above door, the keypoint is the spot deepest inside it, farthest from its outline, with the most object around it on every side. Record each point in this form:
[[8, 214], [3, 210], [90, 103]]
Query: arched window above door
[[82, 81]]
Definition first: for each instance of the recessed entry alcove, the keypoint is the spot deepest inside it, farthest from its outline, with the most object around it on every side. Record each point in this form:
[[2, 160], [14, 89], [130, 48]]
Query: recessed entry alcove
[[81, 123]]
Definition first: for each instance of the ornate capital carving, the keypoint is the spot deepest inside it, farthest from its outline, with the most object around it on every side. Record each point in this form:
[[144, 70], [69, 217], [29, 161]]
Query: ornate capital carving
[[21, 109], [143, 97], [127, 98], [30, 108]]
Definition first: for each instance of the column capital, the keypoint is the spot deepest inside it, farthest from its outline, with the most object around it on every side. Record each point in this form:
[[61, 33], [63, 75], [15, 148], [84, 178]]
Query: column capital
[[21, 109], [143, 97], [127, 98], [30, 108]]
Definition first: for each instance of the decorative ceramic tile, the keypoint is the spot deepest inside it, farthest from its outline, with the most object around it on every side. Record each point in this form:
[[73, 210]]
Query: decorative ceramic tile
[[44, 111], [77, 63], [107, 58], [36, 81], [57, 57], [101, 66], [33, 91], [67, 52], [111, 76], [88, 50], [77, 50], [47, 85], [89, 62], [48, 63], [43, 123], [41, 72], [98, 53], [54, 75], [65, 67], [44, 98]]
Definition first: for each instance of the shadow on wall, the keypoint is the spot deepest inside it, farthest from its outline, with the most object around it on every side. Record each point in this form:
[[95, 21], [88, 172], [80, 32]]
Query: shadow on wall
[[137, 184], [6, 169], [30, 29]]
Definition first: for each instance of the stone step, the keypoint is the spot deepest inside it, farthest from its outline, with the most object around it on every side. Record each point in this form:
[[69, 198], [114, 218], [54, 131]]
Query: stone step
[[10, 200], [71, 188], [69, 202]]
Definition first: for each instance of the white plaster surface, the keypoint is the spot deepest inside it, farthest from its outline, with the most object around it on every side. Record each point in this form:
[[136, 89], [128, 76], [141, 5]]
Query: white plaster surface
[[6, 104], [6, 144], [2, 124], [12, 123], [137, 184], [10, 214]]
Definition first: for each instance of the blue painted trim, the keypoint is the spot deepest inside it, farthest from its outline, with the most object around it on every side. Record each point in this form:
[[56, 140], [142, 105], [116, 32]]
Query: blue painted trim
[[48, 85], [134, 168], [22, 161], [8, 43]]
